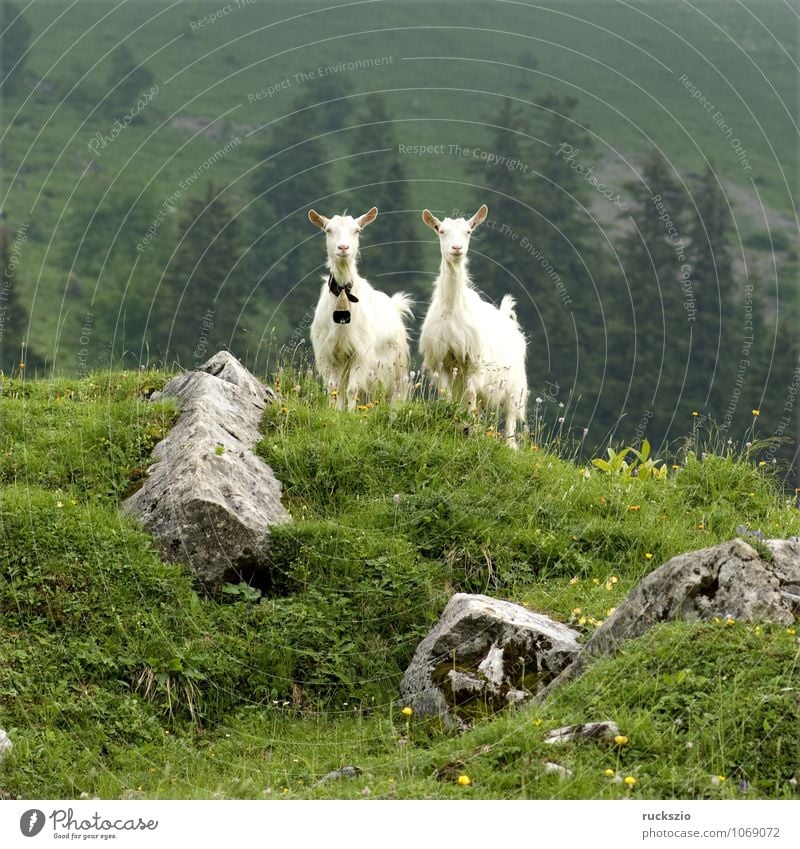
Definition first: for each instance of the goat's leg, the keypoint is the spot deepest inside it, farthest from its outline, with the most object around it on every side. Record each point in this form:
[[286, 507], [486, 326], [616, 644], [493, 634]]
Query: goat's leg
[[512, 414], [331, 388], [337, 385], [471, 397], [352, 390], [443, 385]]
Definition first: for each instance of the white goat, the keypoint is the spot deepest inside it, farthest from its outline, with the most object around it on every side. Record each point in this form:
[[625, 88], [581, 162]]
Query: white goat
[[358, 333], [476, 350]]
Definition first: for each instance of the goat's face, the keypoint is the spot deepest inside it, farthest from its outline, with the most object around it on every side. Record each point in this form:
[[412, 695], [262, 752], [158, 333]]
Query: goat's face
[[454, 233], [342, 233]]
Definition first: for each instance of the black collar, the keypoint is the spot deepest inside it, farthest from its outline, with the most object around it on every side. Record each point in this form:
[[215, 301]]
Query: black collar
[[337, 289]]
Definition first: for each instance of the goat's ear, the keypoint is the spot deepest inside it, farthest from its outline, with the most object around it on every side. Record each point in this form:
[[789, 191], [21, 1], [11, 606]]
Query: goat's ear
[[479, 217], [431, 220], [315, 218], [367, 217]]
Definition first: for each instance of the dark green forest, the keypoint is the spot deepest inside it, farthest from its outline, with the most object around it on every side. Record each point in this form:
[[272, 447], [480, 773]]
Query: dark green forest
[[159, 161]]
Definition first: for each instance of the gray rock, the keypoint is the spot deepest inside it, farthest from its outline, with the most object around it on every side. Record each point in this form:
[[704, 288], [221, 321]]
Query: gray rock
[[726, 580], [556, 769], [785, 567], [5, 744], [486, 651], [587, 731], [208, 499], [342, 772], [729, 579]]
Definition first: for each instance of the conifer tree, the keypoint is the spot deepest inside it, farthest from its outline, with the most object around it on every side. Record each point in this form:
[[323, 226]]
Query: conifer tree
[[197, 310], [15, 355], [127, 78], [649, 333], [15, 42], [378, 178], [709, 299], [536, 246], [291, 179]]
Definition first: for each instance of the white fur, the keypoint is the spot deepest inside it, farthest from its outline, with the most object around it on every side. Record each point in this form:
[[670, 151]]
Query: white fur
[[475, 350], [372, 350]]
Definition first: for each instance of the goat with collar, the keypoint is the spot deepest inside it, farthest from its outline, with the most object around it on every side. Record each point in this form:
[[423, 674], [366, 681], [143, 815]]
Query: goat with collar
[[358, 333]]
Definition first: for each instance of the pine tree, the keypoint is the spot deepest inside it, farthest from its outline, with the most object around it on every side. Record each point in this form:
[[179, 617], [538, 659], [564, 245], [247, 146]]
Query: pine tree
[[15, 355], [535, 244], [15, 41], [198, 307], [377, 177], [126, 79], [291, 179], [709, 302], [648, 327]]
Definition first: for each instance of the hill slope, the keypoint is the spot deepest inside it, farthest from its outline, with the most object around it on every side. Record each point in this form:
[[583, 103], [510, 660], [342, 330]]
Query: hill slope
[[119, 680]]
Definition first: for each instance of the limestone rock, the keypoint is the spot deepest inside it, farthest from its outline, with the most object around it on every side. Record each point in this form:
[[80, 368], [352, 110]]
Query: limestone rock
[[587, 731], [5, 744], [726, 580], [208, 499], [729, 579], [337, 774], [484, 651], [556, 769]]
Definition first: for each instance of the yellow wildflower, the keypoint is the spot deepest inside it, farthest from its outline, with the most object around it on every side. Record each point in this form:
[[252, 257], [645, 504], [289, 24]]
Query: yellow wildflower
[[407, 711], [630, 780], [464, 780]]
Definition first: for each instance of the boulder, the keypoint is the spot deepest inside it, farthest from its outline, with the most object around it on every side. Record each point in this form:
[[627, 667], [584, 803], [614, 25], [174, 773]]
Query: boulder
[[484, 653], [588, 731], [556, 769], [5, 744], [727, 580], [208, 500], [337, 774]]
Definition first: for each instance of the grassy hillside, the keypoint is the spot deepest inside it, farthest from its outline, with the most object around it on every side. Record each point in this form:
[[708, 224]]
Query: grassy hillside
[[117, 679], [447, 67]]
